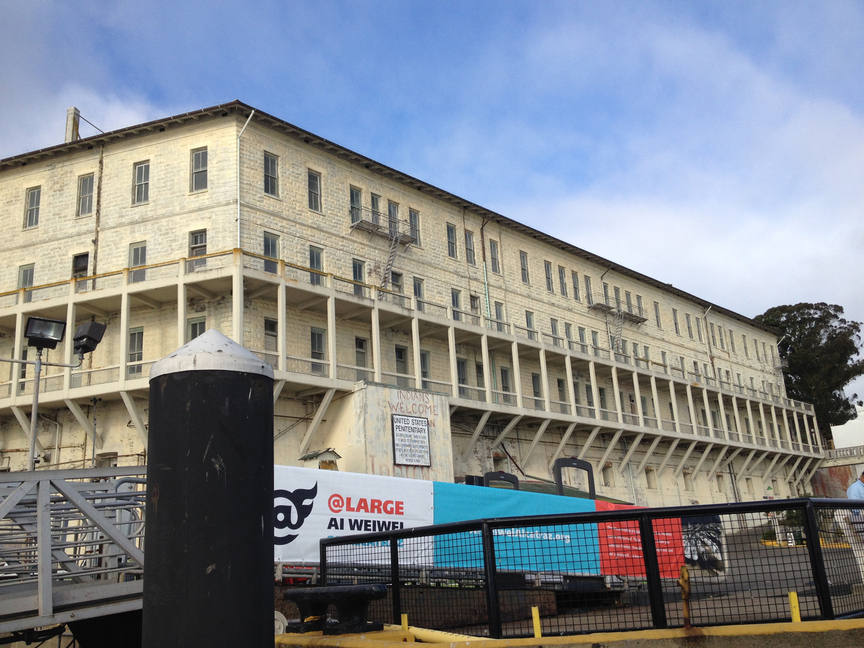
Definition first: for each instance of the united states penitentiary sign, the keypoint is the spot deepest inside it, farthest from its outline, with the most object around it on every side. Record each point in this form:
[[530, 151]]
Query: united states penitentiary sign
[[411, 440]]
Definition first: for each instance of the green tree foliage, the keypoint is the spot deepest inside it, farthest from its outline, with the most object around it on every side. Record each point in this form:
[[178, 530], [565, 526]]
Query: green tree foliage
[[822, 349]]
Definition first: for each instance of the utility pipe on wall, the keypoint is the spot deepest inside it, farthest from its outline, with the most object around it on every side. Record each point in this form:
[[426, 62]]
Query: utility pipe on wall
[[239, 135]]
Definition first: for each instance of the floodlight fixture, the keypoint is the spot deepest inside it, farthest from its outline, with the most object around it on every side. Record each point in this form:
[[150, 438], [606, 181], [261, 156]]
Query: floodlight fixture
[[44, 333], [87, 337]]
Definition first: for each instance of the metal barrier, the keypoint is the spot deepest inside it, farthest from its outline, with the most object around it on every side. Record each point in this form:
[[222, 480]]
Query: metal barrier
[[71, 545], [614, 570]]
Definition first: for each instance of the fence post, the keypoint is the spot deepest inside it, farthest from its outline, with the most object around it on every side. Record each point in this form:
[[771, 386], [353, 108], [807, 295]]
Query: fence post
[[491, 582], [395, 585], [652, 572], [817, 561], [322, 563]]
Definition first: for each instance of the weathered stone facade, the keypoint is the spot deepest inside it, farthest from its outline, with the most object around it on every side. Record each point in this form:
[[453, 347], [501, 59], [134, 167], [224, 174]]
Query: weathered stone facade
[[537, 348]]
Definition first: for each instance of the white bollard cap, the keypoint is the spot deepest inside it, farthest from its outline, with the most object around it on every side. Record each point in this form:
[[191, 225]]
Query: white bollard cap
[[211, 351]]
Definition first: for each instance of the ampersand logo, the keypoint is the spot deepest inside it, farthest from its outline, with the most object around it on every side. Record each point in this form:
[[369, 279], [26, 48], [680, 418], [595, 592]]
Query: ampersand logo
[[292, 515], [336, 503]]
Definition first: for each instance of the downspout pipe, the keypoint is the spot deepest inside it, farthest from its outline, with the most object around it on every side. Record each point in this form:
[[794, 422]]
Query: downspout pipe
[[239, 135]]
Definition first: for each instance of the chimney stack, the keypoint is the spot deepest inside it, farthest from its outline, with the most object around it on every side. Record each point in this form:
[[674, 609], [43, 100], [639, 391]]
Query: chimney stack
[[73, 116]]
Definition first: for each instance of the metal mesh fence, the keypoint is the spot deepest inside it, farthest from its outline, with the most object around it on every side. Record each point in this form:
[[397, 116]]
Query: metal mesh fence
[[615, 569]]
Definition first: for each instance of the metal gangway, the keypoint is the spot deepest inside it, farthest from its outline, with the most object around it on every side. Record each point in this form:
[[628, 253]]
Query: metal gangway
[[71, 545]]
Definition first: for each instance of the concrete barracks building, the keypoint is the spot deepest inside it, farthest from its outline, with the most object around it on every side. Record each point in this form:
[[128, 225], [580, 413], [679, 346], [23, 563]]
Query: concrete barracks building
[[412, 333]]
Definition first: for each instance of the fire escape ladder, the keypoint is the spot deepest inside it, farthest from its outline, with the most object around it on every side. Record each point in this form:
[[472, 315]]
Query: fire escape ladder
[[391, 258]]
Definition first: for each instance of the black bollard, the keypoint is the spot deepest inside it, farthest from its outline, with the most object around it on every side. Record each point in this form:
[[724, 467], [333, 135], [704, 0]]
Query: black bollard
[[208, 574]]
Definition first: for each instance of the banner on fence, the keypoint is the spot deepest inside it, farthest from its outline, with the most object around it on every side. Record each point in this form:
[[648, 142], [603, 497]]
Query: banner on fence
[[310, 504]]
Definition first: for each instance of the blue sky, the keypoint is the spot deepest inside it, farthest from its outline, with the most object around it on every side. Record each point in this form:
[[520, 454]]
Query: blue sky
[[717, 146]]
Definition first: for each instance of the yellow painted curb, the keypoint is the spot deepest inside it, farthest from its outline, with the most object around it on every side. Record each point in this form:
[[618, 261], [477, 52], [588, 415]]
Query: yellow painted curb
[[398, 639]]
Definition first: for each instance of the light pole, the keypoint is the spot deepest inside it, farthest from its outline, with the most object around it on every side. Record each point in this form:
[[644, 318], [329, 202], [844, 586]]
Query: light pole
[[44, 333]]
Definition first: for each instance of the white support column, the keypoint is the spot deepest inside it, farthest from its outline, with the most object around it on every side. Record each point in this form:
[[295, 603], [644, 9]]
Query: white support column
[[777, 433], [617, 394], [536, 440], [680, 467], [802, 473], [770, 467], [750, 422], [544, 377], [282, 328], [135, 415], [568, 366], [415, 351], [331, 330], [807, 429], [648, 454], [316, 420], [70, 358], [454, 374], [709, 422], [691, 406], [589, 442], [758, 461], [702, 459], [17, 353], [477, 430], [517, 374], [236, 299], [797, 427], [564, 439], [744, 467], [764, 421], [487, 367], [595, 390], [506, 431], [716, 463], [817, 435], [376, 336], [630, 452], [730, 458], [776, 471], [637, 394], [792, 470], [737, 414], [668, 456], [656, 398], [84, 422], [609, 450], [674, 400], [723, 422]]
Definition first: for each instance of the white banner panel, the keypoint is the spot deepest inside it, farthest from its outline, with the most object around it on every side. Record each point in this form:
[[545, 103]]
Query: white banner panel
[[310, 504]]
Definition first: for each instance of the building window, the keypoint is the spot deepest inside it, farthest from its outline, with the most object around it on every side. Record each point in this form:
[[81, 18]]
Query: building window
[[137, 259], [462, 375], [414, 225], [25, 279], [314, 187], [393, 217], [657, 315], [689, 325], [699, 329], [562, 280], [639, 310], [537, 390], [629, 301], [316, 262], [271, 175], [141, 187], [424, 369], [764, 353], [85, 195], [455, 298], [271, 251], [358, 274], [722, 341], [713, 335], [376, 209], [316, 349], [451, 241], [556, 339], [675, 321], [271, 342], [199, 170], [136, 352], [418, 295], [31, 217], [505, 384], [401, 366], [606, 293], [617, 298], [361, 355], [589, 296], [197, 248], [80, 263], [493, 253], [499, 316], [574, 276], [481, 381], [355, 197], [523, 262], [731, 341], [744, 345], [547, 266], [195, 326], [469, 248], [475, 304], [529, 324], [397, 283]]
